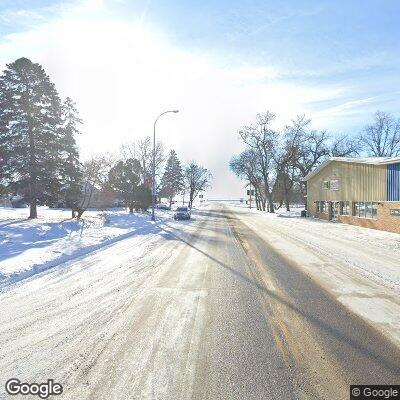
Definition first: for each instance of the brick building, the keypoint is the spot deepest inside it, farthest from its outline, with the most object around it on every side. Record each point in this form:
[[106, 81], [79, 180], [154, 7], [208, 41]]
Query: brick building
[[357, 191]]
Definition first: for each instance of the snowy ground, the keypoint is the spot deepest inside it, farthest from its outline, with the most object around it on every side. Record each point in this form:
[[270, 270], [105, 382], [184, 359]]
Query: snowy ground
[[28, 247], [184, 311], [360, 266], [127, 301]]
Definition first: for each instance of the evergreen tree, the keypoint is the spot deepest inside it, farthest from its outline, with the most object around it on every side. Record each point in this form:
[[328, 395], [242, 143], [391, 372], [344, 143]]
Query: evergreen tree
[[30, 131], [142, 198], [70, 167], [124, 179], [172, 181]]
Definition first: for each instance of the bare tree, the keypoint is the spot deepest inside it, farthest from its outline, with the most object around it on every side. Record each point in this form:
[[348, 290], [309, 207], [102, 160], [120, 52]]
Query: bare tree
[[382, 137], [306, 147], [197, 180], [95, 178], [142, 150], [345, 146], [263, 140], [246, 166], [280, 161], [286, 176]]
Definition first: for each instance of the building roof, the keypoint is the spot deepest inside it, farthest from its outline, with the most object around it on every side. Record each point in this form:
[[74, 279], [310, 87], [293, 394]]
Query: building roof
[[356, 160]]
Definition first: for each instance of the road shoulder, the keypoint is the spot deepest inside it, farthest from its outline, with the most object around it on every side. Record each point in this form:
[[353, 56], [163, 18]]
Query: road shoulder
[[375, 302]]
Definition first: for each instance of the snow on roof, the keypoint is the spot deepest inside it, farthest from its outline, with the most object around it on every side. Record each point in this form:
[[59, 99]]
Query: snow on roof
[[356, 160]]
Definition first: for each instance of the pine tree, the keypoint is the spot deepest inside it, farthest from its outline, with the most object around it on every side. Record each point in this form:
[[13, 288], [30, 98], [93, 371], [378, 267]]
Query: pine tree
[[30, 131], [142, 197], [70, 167], [124, 179], [172, 181]]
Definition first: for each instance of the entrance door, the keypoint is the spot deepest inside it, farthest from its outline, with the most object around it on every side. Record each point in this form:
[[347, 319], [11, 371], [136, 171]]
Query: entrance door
[[334, 211]]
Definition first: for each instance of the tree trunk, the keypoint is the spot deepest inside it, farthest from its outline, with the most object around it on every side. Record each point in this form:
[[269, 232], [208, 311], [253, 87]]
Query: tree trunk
[[170, 201], [268, 194], [263, 202], [32, 159], [191, 199], [80, 213], [130, 208], [257, 199], [33, 209], [288, 185], [287, 200], [270, 204], [32, 177]]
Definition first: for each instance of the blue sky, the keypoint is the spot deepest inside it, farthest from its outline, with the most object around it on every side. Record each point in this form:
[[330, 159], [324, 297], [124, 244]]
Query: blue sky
[[221, 61]]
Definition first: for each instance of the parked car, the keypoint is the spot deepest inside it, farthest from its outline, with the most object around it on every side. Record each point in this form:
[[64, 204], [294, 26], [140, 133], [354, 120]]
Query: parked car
[[182, 213], [18, 201], [162, 206]]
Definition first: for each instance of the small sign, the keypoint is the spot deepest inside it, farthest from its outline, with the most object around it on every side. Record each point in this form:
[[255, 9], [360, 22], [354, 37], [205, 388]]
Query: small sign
[[326, 184], [200, 196], [334, 185], [395, 212]]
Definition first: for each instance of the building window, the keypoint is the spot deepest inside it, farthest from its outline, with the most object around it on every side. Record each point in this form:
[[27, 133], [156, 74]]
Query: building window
[[371, 210], [321, 206], [375, 210], [366, 209], [345, 208], [355, 209], [361, 209]]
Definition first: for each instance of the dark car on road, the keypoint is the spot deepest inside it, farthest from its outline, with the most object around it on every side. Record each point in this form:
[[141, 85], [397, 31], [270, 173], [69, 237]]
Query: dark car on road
[[182, 213], [162, 206]]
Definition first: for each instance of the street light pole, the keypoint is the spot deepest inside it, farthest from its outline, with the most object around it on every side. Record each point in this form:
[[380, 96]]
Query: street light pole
[[153, 192]]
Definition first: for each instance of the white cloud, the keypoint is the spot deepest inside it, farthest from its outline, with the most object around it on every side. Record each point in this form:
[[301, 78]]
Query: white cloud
[[122, 73]]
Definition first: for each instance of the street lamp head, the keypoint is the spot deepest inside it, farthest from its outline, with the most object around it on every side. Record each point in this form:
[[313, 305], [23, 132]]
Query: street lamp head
[[175, 111]]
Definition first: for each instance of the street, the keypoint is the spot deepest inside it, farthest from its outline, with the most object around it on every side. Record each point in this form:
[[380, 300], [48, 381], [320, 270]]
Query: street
[[210, 310]]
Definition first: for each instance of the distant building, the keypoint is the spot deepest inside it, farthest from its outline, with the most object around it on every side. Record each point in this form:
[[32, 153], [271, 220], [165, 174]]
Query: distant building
[[357, 191], [93, 197]]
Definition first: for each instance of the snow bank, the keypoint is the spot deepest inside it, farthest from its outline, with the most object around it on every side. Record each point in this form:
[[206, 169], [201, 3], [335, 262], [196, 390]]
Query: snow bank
[[28, 247], [371, 253], [358, 266]]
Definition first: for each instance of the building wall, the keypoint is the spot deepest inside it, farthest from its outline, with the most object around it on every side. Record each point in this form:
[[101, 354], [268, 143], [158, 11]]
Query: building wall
[[357, 182], [320, 215], [384, 222], [393, 182]]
